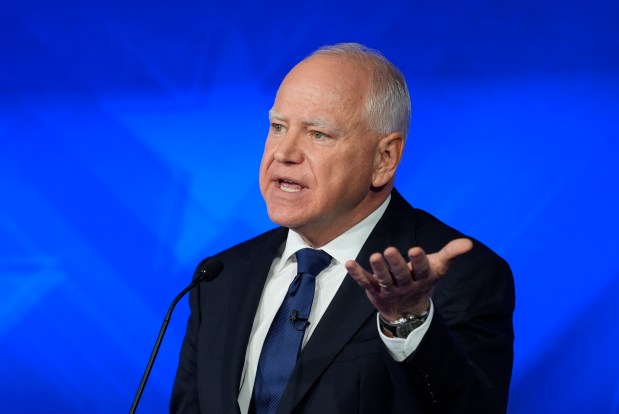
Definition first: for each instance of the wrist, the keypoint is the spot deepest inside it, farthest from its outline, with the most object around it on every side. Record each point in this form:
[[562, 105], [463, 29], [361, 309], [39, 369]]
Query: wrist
[[403, 326]]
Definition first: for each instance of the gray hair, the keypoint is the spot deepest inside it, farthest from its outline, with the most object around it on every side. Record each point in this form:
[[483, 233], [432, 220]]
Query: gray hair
[[388, 104]]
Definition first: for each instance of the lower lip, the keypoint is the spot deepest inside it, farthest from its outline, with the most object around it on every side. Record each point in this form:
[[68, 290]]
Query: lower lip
[[289, 188]]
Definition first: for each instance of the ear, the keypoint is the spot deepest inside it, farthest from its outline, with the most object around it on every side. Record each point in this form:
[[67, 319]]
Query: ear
[[388, 155]]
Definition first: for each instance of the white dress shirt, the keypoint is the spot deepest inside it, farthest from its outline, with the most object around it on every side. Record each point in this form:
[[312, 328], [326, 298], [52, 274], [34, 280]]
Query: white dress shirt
[[283, 270]]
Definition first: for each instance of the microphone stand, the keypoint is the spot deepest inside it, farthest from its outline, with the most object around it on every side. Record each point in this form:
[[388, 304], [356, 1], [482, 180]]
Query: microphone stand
[[206, 271]]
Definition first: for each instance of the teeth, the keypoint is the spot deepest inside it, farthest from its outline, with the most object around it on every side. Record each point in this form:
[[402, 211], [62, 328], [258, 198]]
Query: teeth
[[289, 186]]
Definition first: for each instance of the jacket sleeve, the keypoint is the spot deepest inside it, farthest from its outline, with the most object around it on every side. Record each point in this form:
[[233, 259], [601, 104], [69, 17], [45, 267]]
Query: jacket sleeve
[[464, 362]]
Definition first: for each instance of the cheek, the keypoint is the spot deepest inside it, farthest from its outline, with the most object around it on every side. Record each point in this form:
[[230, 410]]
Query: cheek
[[350, 176], [267, 159]]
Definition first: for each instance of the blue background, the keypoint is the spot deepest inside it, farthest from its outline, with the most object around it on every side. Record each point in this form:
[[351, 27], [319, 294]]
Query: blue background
[[131, 134]]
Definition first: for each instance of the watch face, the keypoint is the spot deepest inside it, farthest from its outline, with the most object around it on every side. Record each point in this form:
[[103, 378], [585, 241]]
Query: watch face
[[405, 329]]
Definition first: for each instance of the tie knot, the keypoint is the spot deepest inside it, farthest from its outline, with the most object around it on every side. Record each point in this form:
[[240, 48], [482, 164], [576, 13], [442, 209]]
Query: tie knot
[[312, 261]]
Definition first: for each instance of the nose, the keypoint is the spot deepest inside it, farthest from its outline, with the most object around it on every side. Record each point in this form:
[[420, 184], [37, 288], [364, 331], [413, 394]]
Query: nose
[[288, 149]]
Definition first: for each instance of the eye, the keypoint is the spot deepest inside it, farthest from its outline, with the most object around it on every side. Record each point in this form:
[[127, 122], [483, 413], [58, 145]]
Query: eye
[[277, 127], [318, 135]]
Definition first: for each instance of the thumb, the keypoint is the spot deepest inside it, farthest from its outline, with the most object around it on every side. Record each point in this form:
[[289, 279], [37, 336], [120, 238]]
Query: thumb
[[443, 258]]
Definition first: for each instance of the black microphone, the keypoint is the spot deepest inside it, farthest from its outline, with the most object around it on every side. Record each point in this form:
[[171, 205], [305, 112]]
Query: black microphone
[[294, 318], [206, 271]]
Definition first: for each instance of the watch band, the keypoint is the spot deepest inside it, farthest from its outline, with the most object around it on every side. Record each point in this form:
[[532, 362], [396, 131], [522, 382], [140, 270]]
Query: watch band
[[402, 327]]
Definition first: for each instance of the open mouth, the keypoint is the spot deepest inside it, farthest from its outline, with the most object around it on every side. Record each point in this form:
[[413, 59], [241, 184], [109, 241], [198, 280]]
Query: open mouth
[[289, 186]]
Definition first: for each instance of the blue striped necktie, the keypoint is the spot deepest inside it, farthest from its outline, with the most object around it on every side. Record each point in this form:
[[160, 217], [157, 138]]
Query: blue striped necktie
[[282, 345]]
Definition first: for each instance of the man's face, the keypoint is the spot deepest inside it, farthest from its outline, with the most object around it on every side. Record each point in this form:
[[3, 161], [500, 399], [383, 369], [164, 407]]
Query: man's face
[[319, 156]]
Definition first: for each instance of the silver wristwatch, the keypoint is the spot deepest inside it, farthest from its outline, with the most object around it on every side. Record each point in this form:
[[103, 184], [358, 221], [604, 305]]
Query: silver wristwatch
[[402, 327]]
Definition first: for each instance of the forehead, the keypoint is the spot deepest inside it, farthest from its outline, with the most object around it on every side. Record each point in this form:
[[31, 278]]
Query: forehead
[[324, 85]]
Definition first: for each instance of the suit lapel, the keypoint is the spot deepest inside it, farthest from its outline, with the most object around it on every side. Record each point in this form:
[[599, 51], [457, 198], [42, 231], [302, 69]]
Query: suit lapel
[[236, 308], [331, 334], [350, 308]]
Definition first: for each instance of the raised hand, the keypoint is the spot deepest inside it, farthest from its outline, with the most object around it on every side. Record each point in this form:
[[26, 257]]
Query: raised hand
[[398, 287]]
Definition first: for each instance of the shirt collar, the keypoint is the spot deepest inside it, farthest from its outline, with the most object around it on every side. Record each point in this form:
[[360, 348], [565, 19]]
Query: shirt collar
[[344, 247]]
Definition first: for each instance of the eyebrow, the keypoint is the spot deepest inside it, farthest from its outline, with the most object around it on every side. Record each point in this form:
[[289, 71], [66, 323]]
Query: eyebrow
[[273, 114], [320, 123]]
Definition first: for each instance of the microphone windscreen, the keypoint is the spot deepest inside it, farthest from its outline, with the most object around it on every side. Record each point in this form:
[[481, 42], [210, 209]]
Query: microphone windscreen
[[208, 269]]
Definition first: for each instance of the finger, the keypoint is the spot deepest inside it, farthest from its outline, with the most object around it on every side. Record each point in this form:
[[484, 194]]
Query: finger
[[400, 270], [363, 278], [453, 249], [382, 272], [420, 265]]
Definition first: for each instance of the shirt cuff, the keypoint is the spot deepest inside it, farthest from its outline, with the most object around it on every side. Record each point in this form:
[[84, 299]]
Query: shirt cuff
[[401, 348]]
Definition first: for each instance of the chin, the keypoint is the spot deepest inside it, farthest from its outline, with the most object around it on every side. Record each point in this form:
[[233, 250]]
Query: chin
[[284, 221], [285, 217]]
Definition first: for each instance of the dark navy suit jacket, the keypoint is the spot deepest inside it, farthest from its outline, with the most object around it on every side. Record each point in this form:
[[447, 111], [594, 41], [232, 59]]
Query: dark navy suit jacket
[[463, 364]]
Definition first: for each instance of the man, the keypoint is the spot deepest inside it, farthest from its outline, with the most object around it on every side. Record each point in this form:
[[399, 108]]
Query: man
[[408, 315]]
